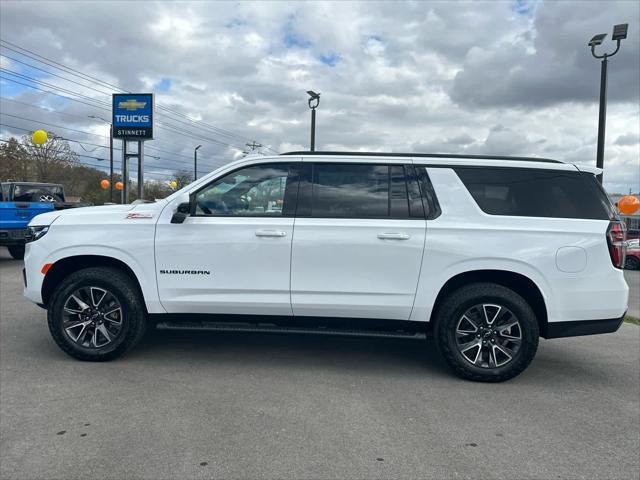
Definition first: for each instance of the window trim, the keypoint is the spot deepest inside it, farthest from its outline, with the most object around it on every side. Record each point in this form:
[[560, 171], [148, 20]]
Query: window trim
[[429, 197], [290, 192]]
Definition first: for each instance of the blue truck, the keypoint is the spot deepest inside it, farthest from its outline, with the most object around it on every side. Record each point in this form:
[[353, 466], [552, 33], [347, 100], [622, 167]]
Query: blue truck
[[19, 203]]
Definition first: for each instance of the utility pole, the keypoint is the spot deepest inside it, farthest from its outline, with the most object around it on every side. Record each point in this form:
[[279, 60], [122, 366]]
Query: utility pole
[[619, 33], [314, 101], [253, 145]]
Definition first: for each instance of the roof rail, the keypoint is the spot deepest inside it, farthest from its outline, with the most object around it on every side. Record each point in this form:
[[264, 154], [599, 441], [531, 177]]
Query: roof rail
[[426, 155]]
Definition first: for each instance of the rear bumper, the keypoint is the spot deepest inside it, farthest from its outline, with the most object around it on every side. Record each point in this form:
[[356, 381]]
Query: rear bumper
[[13, 236], [583, 327]]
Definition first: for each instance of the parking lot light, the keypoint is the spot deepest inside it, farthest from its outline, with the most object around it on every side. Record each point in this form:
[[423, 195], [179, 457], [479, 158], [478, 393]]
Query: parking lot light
[[619, 34], [314, 101]]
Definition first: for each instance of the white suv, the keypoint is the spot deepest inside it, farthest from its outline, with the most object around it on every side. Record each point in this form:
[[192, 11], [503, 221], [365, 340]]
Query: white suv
[[485, 254]]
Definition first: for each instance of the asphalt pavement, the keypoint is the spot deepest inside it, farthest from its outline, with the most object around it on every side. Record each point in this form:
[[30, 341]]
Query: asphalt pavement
[[229, 405], [633, 280]]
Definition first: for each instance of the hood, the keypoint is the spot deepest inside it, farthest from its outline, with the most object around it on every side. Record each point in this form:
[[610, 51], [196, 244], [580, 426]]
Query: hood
[[49, 217]]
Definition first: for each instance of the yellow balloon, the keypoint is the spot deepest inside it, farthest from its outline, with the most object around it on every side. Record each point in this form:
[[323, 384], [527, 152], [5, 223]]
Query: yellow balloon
[[39, 137], [173, 184]]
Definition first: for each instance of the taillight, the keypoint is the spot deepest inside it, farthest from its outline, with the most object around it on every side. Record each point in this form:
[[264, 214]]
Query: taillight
[[616, 236]]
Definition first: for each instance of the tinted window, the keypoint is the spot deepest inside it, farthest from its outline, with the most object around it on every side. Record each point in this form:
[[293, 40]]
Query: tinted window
[[253, 191], [398, 199], [36, 193], [351, 191], [534, 193]]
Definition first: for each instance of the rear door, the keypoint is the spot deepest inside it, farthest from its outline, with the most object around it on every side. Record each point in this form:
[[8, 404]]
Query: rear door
[[358, 240]]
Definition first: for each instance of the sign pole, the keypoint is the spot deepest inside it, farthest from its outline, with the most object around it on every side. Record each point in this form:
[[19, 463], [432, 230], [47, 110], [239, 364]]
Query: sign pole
[[132, 122], [125, 173], [140, 170], [111, 163]]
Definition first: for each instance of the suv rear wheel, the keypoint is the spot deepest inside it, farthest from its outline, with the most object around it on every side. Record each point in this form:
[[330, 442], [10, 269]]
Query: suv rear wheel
[[486, 332], [96, 314]]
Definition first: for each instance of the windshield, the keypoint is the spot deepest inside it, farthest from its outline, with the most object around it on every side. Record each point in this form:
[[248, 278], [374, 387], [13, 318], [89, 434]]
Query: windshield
[[37, 193]]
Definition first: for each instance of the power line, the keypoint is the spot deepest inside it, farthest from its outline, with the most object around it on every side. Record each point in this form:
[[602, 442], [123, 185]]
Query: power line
[[81, 117], [85, 118], [107, 107], [77, 73], [91, 134], [13, 59], [94, 144], [163, 175]]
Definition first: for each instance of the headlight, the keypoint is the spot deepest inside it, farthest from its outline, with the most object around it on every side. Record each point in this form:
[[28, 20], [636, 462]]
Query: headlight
[[34, 233]]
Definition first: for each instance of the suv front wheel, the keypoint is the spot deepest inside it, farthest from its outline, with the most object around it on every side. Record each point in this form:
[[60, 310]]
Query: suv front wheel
[[486, 332], [96, 314]]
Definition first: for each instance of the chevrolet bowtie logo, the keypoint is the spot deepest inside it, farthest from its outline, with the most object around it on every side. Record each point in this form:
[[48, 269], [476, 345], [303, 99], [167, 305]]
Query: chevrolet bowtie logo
[[131, 105]]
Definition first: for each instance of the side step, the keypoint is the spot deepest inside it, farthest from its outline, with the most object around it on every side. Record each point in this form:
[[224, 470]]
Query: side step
[[272, 328]]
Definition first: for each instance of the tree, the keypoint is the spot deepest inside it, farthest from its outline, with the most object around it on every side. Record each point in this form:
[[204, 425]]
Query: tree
[[13, 161], [50, 161], [182, 178]]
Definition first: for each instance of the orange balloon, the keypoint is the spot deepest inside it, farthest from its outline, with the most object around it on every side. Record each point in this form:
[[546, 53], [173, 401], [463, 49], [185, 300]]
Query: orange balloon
[[104, 184], [119, 185], [628, 205]]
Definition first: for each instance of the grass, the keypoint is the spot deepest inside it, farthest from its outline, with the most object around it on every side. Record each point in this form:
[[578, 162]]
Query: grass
[[633, 320]]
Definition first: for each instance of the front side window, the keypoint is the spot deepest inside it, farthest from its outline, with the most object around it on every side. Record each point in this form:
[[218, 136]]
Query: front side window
[[253, 191]]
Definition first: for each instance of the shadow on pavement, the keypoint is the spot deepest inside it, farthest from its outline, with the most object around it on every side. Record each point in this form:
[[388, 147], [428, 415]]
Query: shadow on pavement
[[298, 350]]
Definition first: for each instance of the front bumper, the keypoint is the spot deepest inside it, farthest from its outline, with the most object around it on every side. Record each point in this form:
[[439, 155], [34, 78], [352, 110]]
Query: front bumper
[[583, 327], [14, 236]]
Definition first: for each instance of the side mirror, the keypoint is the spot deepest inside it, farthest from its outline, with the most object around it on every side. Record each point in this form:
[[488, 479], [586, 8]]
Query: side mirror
[[182, 212]]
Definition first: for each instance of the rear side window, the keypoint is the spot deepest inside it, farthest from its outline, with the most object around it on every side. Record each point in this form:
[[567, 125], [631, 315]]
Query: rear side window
[[348, 190], [535, 193]]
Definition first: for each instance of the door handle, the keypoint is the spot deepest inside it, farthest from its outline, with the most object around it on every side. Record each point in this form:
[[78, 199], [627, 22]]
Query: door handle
[[394, 236], [270, 233]]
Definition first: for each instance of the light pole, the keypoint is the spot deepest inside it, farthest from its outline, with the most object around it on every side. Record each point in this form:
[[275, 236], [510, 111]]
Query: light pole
[[110, 155], [195, 162], [314, 101], [619, 33]]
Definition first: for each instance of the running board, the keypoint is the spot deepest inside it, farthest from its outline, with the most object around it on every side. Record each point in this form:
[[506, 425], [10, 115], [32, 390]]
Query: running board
[[271, 328]]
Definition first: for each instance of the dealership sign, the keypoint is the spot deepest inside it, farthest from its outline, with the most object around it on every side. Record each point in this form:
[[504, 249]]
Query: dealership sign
[[133, 116]]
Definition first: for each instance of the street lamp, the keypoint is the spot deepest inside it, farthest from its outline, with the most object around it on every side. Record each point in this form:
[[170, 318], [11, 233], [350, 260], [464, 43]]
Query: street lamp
[[314, 101], [110, 154], [619, 33], [195, 162]]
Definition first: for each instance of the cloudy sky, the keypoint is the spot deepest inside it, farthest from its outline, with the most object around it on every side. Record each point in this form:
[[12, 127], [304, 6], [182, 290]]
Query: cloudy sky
[[509, 78]]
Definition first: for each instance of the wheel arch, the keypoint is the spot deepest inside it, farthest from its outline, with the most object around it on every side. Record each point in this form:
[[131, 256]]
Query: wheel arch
[[66, 266], [521, 284]]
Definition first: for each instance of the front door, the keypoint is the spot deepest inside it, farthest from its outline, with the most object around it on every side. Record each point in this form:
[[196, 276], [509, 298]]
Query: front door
[[232, 254], [358, 241]]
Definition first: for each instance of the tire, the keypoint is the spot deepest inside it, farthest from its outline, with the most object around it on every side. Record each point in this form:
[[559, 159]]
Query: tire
[[632, 263], [119, 315], [486, 360], [16, 251]]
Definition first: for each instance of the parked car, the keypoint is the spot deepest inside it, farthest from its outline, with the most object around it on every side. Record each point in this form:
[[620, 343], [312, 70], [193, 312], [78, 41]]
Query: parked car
[[632, 258], [344, 243], [19, 203]]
